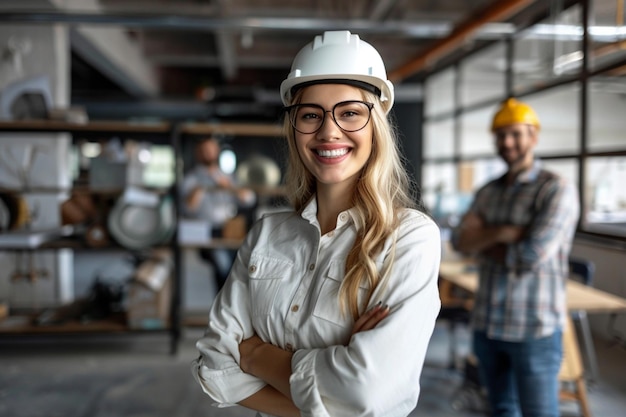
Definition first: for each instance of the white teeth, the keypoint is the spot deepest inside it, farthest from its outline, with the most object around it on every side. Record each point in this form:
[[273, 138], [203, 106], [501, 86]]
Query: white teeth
[[332, 153]]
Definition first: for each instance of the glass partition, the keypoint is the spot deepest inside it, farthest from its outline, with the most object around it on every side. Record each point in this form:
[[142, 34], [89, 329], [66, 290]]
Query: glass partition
[[485, 170], [439, 93], [607, 33], [558, 110], [549, 50], [476, 138], [439, 138], [483, 75], [605, 198], [607, 113], [566, 168], [442, 194]]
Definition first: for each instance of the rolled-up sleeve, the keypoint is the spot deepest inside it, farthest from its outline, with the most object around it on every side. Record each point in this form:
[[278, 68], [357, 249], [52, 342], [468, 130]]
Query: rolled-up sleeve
[[217, 368], [553, 224], [378, 372]]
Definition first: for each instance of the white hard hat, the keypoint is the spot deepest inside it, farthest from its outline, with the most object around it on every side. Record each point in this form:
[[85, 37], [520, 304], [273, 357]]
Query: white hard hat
[[339, 57]]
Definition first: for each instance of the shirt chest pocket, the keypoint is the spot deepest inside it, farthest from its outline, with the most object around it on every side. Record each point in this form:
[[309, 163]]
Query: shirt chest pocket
[[327, 306], [265, 277]]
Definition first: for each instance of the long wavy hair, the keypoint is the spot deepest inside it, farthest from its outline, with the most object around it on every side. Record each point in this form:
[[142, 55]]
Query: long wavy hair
[[381, 192]]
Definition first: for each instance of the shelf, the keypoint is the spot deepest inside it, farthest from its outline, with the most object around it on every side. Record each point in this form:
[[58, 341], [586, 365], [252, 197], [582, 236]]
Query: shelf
[[33, 239], [234, 129], [214, 243], [97, 126], [158, 132], [22, 324]]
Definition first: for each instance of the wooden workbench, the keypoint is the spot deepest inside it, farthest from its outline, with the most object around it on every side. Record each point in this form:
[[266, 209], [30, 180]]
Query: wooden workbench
[[462, 273], [579, 296]]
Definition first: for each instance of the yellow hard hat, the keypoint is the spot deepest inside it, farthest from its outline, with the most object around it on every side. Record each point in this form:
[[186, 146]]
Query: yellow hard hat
[[513, 112]]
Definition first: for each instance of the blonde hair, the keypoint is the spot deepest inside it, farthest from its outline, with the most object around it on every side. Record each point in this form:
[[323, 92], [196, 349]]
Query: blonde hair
[[382, 190]]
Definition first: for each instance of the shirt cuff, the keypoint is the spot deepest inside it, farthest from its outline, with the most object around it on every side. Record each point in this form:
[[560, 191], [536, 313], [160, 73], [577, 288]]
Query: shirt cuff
[[303, 384], [226, 387]]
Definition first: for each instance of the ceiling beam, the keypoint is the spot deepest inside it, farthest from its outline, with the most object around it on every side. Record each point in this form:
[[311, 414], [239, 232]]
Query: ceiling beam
[[496, 12], [382, 8], [108, 50], [416, 30]]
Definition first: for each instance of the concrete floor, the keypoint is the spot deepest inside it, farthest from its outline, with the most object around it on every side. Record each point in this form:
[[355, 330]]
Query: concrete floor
[[137, 377]]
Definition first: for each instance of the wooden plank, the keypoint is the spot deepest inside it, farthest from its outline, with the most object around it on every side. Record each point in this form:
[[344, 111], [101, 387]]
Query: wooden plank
[[95, 126], [234, 129], [579, 296]]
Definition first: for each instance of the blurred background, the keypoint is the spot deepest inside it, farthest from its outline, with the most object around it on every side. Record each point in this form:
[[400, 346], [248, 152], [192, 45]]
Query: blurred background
[[103, 101]]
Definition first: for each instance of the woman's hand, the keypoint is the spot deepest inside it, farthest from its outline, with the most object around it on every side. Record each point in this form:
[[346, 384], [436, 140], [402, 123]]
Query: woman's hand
[[246, 352], [370, 318], [267, 362]]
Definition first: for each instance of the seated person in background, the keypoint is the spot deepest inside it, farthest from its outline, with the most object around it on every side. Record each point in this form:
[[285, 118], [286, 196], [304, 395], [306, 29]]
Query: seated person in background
[[211, 194]]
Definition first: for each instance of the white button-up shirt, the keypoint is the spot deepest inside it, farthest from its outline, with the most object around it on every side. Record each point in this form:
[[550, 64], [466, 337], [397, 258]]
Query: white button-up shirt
[[284, 287]]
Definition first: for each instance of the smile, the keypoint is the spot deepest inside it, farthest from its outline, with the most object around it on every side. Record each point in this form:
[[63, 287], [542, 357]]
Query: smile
[[334, 153]]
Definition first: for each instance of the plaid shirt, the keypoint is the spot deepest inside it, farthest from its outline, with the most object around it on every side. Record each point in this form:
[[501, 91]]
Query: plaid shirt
[[524, 297]]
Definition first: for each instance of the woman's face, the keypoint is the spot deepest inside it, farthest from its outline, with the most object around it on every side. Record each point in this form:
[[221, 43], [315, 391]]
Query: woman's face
[[332, 155]]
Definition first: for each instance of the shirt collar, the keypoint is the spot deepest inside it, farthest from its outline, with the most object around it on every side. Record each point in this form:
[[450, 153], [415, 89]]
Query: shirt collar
[[532, 173], [345, 217], [529, 175]]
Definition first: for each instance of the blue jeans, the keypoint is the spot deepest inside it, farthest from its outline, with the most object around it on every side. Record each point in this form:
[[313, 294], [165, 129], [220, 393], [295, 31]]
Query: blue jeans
[[521, 377], [221, 260]]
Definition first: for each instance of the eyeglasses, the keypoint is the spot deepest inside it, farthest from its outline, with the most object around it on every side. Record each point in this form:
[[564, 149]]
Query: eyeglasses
[[516, 133], [350, 116]]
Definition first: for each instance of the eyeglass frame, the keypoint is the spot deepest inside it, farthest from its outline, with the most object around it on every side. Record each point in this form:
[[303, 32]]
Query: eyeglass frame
[[367, 104]]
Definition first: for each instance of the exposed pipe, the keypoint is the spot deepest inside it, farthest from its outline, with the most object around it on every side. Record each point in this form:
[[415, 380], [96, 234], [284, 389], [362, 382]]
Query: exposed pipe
[[619, 21], [382, 8], [498, 11], [413, 30]]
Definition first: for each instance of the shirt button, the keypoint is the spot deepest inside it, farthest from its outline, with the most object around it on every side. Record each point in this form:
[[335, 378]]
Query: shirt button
[[295, 308], [252, 269], [311, 267], [331, 234], [289, 347], [343, 217]]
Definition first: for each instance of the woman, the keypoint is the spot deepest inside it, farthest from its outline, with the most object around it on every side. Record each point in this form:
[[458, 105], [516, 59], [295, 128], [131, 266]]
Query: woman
[[328, 309]]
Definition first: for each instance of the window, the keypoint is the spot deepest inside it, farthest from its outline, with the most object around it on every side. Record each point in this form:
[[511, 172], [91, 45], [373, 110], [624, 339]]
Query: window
[[607, 33], [439, 88], [547, 74], [605, 202], [607, 110], [439, 138], [483, 75], [566, 168], [476, 138], [558, 110], [549, 50]]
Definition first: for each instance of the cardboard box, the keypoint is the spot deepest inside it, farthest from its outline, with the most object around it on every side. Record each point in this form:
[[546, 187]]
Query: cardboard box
[[149, 309], [154, 272]]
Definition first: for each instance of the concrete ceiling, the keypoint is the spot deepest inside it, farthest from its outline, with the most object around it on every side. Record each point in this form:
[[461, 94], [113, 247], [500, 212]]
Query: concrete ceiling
[[236, 52]]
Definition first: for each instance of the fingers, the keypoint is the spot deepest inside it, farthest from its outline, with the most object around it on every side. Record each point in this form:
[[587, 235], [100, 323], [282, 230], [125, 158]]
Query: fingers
[[246, 350], [472, 221], [371, 318]]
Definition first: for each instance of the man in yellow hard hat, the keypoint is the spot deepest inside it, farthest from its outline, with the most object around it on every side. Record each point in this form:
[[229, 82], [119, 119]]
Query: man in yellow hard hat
[[520, 228]]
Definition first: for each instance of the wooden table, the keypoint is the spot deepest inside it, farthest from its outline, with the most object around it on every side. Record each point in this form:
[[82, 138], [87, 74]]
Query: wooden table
[[463, 274], [580, 297]]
